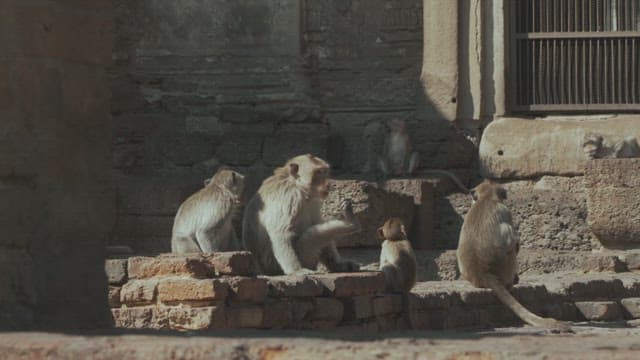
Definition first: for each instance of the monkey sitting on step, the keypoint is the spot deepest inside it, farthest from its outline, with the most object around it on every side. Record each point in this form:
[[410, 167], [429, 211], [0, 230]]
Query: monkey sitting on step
[[203, 222], [488, 248], [397, 259]]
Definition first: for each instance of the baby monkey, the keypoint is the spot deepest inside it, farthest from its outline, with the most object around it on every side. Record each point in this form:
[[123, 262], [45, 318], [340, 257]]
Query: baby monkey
[[397, 259]]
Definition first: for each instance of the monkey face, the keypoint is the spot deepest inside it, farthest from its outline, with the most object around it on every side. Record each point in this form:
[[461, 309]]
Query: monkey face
[[230, 180], [489, 189], [311, 173]]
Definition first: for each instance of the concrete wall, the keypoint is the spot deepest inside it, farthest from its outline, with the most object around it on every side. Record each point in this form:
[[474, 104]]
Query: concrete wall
[[58, 203]]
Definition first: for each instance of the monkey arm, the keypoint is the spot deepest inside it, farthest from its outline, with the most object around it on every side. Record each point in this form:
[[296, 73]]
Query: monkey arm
[[284, 252]]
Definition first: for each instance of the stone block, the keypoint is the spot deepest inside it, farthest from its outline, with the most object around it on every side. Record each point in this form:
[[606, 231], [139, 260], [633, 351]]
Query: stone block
[[351, 284], [632, 260], [327, 309], [613, 199], [600, 310], [553, 146], [188, 318], [191, 265], [139, 292], [387, 304], [293, 286], [423, 299], [114, 296], [422, 192], [632, 307], [242, 317], [278, 314], [602, 263], [372, 205], [238, 263], [358, 307], [246, 289], [133, 317], [171, 290], [116, 270]]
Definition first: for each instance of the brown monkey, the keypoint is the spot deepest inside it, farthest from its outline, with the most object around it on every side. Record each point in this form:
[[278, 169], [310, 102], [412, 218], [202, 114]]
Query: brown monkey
[[398, 158], [283, 224], [203, 222], [488, 248], [397, 259], [595, 147]]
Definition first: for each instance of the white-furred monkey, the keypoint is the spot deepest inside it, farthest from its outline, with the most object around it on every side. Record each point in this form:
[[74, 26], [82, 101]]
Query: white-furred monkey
[[488, 248], [283, 225], [397, 259], [203, 222]]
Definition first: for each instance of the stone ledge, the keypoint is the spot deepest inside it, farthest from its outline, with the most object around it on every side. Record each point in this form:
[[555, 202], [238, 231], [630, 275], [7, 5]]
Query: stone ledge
[[356, 301]]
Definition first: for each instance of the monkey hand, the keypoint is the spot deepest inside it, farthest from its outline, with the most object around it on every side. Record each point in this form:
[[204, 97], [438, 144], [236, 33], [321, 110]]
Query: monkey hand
[[348, 266]]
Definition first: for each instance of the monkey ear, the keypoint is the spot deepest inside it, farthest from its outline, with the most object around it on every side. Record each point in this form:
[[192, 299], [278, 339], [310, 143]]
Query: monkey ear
[[207, 181], [234, 178], [502, 194], [474, 195], [403, 231], [293, 169], [380, 233]]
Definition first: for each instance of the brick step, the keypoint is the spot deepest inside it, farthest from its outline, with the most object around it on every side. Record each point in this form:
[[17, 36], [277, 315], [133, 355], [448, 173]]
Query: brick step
[[206, 292]]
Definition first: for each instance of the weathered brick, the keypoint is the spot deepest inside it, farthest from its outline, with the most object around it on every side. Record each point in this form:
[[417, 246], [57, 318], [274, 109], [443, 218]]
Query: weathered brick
[[247, 289], [632, 260], [245, 317], [358, 307], [600, 263], [238, 263], [600, 310], [146, 267], [632, 307], [116, 270], [188, 318], [188, 289], [114, 296], [278, 314], [426, 299], [293, 286], [327, 309], [133, 317], [138, 292], [422, 192], [372, 206], [351, 284], [387, 304]]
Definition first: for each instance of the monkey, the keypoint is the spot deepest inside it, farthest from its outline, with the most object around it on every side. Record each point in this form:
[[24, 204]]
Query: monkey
[[595, 147], [283, 225], [487, 251], [627, 148], [397, 259], [203, 222], [398, 158]]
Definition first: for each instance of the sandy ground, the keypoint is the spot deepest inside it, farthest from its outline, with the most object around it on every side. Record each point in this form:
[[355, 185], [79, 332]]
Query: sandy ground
[[608, 341]]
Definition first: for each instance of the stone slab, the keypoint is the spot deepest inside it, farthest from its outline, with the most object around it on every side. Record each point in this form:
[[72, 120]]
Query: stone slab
[[351, 284]]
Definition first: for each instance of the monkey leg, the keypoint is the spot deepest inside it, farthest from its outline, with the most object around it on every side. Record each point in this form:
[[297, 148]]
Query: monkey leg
[[317, 245], [391, 278], [286, 254], [331, 260], [184, 244], [414, 160], [213, 239], [384, 166]]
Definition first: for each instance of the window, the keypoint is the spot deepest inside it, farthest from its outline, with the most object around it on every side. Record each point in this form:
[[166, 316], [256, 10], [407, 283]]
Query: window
[[575, 55]]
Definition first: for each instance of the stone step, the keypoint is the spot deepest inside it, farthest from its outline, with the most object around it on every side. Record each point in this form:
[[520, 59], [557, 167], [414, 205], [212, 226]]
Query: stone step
[[165, 293]]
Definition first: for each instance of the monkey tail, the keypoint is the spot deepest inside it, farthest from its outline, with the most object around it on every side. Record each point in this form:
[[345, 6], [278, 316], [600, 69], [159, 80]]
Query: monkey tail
[[527, 316]]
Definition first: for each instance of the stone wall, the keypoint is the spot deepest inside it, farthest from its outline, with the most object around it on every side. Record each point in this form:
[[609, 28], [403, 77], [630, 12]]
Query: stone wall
[[58, 203], [250, 83]]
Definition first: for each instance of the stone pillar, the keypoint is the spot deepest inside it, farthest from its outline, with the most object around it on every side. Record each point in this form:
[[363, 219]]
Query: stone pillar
[[439, 75], [57, 203]]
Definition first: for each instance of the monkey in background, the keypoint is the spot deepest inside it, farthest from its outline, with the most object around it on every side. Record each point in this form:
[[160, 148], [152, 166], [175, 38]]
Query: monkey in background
[[595, 147], [397, 259], [283, 225], [203, 222], [398, 157], [488, 248]]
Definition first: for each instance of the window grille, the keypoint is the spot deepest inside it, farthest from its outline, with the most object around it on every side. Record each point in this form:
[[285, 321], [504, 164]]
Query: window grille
[[575, 55]]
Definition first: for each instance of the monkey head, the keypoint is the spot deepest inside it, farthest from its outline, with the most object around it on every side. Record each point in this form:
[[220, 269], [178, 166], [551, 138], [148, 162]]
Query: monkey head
[[489, 190], [397, 125], [310, 173], [393, 229], [591, 145], [230, 180]]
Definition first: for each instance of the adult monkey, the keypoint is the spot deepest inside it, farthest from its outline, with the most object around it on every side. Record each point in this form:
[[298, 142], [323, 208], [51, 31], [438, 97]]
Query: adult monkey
[[488, 248], [283, 225]]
